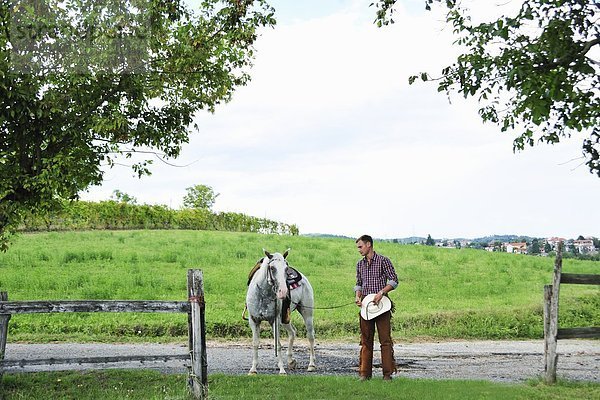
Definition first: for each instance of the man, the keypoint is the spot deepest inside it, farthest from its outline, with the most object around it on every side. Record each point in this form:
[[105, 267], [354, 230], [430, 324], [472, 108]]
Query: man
[[374, 274]]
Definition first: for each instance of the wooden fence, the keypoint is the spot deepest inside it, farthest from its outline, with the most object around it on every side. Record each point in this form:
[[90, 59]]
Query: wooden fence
[[194, 308], [551, 330]]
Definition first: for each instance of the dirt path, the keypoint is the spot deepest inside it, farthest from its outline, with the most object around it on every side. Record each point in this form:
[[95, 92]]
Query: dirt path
[[503, 361]]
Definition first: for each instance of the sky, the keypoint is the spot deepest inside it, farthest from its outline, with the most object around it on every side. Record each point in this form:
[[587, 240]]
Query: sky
[[329, 135]]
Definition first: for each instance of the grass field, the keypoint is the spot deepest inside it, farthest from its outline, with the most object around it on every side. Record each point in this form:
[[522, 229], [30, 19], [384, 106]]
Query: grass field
[[150, 385], [443, 293]]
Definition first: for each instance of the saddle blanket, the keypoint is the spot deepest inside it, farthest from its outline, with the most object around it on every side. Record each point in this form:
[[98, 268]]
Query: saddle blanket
[[293, 278]]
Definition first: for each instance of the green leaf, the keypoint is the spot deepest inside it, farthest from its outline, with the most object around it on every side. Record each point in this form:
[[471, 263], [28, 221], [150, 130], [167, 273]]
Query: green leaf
[[59, 126], [541, 79]]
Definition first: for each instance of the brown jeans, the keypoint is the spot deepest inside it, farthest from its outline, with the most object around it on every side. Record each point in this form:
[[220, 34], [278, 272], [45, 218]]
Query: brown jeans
[[367, 334]]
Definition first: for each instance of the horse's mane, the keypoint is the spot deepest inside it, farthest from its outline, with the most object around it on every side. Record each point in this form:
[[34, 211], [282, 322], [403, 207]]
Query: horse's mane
[[254, 269]]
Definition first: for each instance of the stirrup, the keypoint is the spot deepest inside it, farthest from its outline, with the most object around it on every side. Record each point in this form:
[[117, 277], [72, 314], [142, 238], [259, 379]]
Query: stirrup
[[244, 312]]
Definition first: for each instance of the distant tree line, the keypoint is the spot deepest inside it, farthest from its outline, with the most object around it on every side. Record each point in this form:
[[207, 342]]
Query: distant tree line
[[535, 246], [111, 214], [123, 212]]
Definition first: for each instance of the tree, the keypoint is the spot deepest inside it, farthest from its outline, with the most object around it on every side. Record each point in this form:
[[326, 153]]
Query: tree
[[499, 246], [429, 241], [535, 246], [200, 196], [533, 72], [86, 83], [480, 245], [547, 248], [123, 197]]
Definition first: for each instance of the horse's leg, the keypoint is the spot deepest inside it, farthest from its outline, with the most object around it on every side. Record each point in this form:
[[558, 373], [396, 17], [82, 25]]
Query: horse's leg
[[290, 351], [307, 315], [278, 345], [255, 342]]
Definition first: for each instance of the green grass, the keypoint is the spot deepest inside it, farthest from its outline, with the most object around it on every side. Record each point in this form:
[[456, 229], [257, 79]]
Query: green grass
[[461, 294], [150, 385]]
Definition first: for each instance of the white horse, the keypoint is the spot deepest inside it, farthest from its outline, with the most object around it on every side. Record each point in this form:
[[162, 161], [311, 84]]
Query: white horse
[[266, 291]]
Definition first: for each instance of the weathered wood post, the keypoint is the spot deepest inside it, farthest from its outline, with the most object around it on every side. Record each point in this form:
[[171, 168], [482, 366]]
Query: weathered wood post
[[547, 307], [552, 330], [3, 330], [197, 333]]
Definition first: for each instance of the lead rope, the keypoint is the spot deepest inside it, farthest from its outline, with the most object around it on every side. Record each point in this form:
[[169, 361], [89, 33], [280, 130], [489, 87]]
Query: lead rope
[[276, 328], [245, 318], [277, 309], [367, 309], [324, 308]]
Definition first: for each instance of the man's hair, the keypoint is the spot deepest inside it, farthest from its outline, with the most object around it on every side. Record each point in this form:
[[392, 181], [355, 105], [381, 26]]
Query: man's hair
[[365, 239]]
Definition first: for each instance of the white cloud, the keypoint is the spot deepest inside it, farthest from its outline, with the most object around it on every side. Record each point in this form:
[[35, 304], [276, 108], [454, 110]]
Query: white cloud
[[329, 135]]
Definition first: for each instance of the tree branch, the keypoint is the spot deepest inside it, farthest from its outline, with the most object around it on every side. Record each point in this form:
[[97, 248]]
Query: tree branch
[[568, 58]]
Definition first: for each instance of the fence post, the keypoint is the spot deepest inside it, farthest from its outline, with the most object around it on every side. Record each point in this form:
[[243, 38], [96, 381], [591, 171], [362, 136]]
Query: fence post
[[3, 330], [552, 336], [197, 329], [547, 307]]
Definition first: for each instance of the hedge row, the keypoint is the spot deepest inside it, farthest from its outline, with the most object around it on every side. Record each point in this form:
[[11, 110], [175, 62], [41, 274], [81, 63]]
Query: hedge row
[[85, 215]]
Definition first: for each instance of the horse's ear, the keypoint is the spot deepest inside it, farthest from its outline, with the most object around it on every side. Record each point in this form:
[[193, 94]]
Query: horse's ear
[[268, 254], [286, 253]]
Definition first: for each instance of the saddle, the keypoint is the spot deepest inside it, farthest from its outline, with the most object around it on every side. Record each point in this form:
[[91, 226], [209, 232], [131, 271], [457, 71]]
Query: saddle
[[293, 278]]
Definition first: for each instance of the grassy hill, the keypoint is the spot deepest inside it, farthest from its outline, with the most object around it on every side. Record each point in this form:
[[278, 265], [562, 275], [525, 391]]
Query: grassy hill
[[442, 294]]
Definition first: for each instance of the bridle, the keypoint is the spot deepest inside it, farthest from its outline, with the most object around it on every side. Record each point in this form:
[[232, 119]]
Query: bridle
[[270, 277], [271, 281]]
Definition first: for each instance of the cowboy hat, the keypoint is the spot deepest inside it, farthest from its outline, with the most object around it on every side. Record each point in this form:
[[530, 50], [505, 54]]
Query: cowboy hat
[[370, 310]]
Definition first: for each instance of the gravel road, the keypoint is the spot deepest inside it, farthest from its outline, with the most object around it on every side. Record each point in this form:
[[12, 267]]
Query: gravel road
[[500, 361]]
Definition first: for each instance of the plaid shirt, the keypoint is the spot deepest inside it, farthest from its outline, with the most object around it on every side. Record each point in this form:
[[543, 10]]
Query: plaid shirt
[[374, 277]]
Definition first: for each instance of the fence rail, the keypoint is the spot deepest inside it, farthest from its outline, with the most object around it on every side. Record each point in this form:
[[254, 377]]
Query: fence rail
[[62, 306], [580, 279], [578, 333], [194, 308], [93, 360], [551, 330]]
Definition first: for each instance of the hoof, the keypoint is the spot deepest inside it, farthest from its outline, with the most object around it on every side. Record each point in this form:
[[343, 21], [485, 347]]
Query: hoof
[[311, 368], [282, 373], [251, 373], [292, 364]]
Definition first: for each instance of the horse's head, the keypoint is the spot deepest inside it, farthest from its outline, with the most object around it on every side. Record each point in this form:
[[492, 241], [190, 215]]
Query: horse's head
[[276, 272]]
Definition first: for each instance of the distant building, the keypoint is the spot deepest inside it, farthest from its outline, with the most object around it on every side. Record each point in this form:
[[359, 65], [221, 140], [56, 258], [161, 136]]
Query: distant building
[[495, 246], [518, 248], [585, 246], [554, 241]]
